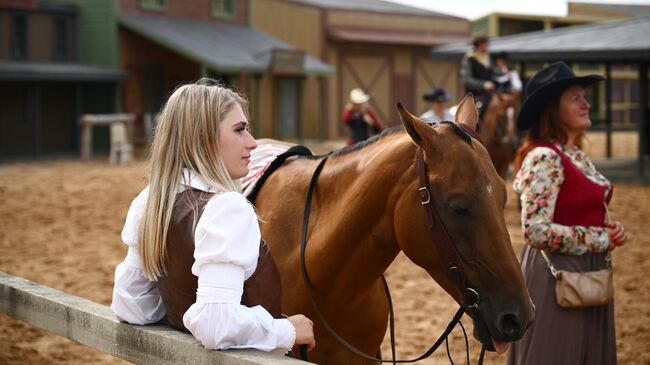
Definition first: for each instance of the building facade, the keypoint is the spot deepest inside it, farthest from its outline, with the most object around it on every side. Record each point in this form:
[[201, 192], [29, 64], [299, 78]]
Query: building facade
[[625, 82], [165, 43], [44, 87], [377, 46]]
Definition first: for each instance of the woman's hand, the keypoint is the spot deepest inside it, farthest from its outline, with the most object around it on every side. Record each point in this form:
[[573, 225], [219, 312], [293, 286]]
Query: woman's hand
[[304, 331], [617, 234]]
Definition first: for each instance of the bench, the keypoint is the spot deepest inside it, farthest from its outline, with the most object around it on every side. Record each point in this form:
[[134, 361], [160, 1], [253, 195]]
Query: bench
[[94, 325]]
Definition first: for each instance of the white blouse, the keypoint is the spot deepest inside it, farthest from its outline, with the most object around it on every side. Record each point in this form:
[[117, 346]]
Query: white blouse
[[227, 239]]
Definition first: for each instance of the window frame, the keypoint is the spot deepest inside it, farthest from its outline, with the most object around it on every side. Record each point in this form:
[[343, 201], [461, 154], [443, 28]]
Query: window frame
[[154, 5], [61, 53], [13, 44], [223, 14]]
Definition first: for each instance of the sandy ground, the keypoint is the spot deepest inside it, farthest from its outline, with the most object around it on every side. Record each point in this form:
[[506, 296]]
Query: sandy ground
[[60, 224]]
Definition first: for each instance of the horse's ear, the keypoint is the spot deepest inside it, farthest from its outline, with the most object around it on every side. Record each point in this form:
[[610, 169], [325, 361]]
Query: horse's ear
[[416, 128], [467, 112]]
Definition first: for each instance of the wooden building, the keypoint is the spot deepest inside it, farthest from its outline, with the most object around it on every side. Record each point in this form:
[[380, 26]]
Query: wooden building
[[167, 43], [592, 47], [624, 103], [375, 45], [43, 86], [161, 44]]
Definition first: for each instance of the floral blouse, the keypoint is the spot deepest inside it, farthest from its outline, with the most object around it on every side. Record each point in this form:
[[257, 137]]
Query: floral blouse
[[538, 185]]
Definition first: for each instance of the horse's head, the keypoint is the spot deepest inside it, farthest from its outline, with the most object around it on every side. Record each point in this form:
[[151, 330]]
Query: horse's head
[[500, 120], [469, 197]]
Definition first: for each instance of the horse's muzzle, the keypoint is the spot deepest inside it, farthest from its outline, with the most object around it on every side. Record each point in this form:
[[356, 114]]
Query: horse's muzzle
[[509, 326]]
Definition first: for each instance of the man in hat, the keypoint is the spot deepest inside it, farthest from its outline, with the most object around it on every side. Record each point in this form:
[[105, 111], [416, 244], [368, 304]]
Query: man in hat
[[357, 115], [438, 110], [507, 80], [476, 72]]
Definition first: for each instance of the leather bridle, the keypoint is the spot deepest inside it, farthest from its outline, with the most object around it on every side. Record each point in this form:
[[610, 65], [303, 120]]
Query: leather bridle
[[441, 240]]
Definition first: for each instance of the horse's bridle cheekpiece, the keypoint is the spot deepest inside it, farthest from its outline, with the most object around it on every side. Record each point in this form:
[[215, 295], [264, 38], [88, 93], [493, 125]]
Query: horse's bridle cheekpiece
[[468, 297]]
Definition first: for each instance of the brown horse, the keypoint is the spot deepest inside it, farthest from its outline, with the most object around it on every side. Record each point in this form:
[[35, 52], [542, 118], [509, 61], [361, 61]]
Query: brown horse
[[498, 130], [366, 208]]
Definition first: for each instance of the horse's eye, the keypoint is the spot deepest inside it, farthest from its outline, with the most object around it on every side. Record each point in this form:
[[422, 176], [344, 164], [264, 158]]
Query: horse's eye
[[460, 209]]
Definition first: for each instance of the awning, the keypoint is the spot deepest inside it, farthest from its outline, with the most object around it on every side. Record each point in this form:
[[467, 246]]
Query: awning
[[52, 71], [392, 37], [617, 41], [225, 48]]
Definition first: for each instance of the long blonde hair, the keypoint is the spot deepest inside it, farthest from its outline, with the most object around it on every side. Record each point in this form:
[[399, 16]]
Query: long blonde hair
[[186, 136]]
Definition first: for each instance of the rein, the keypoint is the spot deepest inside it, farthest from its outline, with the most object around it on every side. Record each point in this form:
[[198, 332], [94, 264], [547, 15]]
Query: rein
[[447, 252]]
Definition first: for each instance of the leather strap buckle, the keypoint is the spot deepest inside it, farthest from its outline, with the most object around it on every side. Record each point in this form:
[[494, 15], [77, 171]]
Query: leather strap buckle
[[424, 195]]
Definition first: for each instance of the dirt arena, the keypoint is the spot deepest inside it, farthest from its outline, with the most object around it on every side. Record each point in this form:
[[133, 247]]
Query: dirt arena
[[60, 225]]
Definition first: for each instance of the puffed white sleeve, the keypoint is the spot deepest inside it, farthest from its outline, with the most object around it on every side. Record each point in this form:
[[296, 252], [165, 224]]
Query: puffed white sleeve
[[227, 239], [135, 298]]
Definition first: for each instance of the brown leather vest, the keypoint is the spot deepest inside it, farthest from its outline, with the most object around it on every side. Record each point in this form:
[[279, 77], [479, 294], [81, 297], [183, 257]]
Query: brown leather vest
[[178, 286]]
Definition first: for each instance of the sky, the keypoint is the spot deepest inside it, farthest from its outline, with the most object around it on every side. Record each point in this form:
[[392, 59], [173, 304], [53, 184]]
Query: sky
[[472, 9]]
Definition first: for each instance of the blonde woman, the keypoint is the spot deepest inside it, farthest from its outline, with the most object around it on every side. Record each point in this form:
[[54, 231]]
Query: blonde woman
[[195, 255]]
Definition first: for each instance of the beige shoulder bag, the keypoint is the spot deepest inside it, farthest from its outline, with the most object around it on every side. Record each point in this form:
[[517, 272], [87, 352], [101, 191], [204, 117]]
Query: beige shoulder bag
[[583, 289]]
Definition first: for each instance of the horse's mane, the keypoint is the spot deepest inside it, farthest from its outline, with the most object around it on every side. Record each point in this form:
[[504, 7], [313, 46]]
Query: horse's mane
[[387, 132], [369, 141]]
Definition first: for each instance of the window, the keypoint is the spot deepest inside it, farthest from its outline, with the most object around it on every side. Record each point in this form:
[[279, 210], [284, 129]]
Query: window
[[223, 8], [60, 41], [19, 37], [159, 5]]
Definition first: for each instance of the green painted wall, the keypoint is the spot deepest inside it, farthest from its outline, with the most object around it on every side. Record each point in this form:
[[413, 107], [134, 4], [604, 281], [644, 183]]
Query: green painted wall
[[481, 25], [97, 33]]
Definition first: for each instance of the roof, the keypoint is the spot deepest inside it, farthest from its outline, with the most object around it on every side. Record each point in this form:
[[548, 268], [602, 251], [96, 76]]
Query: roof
[[624, 40], [627, 9], [225, 48], [379, 6], [392, 37], [51, 71]]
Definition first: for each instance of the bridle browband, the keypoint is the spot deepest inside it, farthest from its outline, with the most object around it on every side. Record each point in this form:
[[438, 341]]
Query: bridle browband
[[442, 241]]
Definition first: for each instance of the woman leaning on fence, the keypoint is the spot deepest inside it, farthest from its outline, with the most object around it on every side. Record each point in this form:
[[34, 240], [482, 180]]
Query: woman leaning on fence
[[195, 256], [564, 216]]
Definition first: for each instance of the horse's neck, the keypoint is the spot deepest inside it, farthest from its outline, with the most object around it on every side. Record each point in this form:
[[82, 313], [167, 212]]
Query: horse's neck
[[359, 193]]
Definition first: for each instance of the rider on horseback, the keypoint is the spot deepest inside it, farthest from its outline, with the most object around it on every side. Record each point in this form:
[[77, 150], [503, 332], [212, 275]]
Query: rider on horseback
[[506, 79], [477, 72]]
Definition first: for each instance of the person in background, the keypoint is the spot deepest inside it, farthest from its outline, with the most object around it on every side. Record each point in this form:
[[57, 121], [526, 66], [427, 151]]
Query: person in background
[[507, 80], [564, 212], [195, 256], [359, 118], [477, 72], [438, 110]]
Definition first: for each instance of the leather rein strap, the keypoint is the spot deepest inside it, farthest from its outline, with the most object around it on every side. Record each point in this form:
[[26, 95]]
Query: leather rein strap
[[441, 240]]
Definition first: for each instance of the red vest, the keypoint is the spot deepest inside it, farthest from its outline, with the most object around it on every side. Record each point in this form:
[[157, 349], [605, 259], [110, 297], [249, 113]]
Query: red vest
[[178, 286], [580, 201]]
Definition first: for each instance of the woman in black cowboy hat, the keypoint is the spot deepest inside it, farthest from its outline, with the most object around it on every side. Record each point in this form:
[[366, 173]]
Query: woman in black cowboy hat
[[438, 110], [563, 200]]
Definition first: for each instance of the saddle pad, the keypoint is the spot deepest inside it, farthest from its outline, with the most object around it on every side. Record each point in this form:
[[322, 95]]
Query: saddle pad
[[265, 159]]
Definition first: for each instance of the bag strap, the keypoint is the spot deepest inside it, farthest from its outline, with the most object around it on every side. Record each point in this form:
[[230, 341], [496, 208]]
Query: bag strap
[[608, 219], [556, 274]]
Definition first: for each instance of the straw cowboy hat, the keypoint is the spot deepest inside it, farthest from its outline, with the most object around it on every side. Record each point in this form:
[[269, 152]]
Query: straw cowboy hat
[[437, 94], [544, 86], [357, 96]]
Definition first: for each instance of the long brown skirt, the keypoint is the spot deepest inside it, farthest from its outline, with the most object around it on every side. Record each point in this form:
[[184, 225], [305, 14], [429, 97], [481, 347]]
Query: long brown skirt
[[559, 335]]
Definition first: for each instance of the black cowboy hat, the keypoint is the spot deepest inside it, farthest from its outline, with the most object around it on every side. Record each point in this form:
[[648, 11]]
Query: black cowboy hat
[[546, 84], [437, 94]]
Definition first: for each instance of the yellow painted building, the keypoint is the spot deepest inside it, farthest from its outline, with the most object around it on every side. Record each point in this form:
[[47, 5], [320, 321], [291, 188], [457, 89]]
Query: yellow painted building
[[378, 46], [625, 108]]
